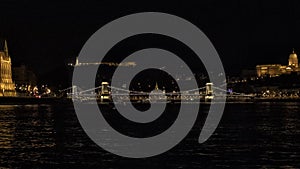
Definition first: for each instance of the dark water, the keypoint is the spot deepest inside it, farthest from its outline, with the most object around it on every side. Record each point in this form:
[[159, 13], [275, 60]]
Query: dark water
[[261, 135]]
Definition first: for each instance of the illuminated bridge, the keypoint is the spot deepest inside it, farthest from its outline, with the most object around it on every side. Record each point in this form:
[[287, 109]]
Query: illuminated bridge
[[107, 93]]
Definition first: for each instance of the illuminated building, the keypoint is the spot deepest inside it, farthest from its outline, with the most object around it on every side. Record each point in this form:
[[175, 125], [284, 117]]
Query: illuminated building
[[7, 87], [293, 60], [273, 70]]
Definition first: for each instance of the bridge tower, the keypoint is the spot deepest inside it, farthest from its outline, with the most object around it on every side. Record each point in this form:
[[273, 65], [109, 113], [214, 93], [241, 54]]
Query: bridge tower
[[73, 92], [105, 94], [209, 92], [209, 89], [74, 89]]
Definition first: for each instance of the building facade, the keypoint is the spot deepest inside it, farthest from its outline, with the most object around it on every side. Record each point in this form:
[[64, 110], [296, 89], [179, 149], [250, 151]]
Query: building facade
[[293, 60], [7, 87], [273, 70]]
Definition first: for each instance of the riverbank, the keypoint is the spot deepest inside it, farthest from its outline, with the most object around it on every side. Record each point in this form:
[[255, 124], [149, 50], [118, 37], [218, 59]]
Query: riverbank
[[33, 100], [55, 100]]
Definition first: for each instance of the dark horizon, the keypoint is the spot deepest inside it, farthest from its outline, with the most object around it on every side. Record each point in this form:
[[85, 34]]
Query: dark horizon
[[46, 36]]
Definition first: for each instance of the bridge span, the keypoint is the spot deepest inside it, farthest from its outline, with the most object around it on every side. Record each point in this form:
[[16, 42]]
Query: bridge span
[[107, 93]]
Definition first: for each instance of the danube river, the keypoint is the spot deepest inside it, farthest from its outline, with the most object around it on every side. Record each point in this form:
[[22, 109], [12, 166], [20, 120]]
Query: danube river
[[250, 135]]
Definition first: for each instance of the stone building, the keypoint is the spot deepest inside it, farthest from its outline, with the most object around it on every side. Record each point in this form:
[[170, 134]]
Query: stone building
[[7, 87], [273, 70]]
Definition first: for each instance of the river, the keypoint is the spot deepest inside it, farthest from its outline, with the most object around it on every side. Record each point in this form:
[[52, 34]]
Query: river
[[250, 135]]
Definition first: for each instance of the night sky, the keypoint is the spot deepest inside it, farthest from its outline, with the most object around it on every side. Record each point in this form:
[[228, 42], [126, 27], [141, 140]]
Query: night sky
[[47, 35]]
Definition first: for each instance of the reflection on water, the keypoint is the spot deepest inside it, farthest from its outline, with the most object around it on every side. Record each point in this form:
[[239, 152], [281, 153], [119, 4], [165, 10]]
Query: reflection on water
[[261, 135]]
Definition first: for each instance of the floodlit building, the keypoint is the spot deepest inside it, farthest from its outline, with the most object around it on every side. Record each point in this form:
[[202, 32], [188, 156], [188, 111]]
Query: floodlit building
[[7, 87], [293, 60], [273, 70]]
